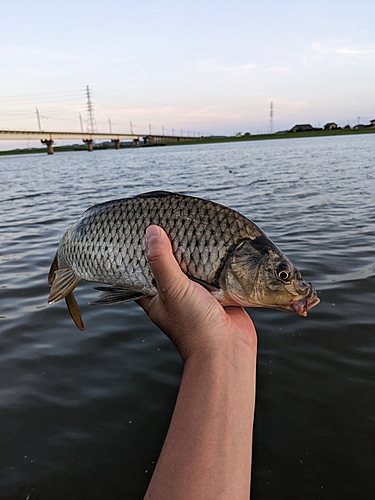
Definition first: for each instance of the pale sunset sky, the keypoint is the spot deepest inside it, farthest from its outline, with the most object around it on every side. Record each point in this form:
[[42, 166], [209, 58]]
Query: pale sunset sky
[[205, 66]]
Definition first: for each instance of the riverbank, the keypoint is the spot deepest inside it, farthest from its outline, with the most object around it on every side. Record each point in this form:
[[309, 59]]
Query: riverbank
[[206, 140], [282, 135]]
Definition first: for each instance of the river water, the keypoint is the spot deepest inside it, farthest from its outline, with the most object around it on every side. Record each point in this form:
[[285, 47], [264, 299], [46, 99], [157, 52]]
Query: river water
[[84, 414]]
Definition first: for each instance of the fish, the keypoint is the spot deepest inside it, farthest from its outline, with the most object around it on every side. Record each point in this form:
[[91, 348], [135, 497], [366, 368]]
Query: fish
[[216, 246]]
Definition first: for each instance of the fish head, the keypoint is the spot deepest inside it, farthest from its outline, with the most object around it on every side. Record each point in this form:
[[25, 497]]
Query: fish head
[[257, 274]]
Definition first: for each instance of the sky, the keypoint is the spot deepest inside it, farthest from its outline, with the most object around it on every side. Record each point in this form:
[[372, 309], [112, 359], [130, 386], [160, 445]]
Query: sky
[[203, 66]]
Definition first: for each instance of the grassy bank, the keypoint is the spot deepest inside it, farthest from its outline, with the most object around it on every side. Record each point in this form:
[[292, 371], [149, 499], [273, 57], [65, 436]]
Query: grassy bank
[[286, 135]]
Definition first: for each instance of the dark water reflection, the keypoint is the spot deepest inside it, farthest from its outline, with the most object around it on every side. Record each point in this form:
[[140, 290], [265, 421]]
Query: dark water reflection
[[84, 414]]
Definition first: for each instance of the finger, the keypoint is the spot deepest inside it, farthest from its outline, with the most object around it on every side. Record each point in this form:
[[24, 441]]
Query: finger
[[164, 266]]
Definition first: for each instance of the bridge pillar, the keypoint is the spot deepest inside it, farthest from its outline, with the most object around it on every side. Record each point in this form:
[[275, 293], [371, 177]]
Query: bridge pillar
[[136, 142], [90, 144], [146, 139], [48, 143], [116, 142]]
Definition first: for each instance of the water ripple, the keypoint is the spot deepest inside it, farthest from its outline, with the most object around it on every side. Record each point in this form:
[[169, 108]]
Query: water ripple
[[83, 407]]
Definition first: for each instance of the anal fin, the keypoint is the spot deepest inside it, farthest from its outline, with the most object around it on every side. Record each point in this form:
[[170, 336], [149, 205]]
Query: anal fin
[[116, 295]]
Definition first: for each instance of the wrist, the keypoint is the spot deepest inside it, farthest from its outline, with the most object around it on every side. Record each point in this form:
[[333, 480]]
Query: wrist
[[231, 350]]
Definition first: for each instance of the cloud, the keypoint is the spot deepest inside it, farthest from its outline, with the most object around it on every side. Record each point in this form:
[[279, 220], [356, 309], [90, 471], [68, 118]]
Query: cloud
[[36, 53], [240, 70], [207, 111], [291, 106], [356, 51], [319, 47], [341, 47], [41, 73], [276, 69], [213, 65], [214, 112]]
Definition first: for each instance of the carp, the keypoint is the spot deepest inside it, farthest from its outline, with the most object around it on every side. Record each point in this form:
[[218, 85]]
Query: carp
[[214, 245]]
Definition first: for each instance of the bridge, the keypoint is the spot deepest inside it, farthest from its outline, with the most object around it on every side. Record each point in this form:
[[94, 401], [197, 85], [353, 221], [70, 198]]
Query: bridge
[[48, 138]]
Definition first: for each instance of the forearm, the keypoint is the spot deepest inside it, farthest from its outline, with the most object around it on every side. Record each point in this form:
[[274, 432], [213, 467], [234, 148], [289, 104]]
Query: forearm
[[207, 451]]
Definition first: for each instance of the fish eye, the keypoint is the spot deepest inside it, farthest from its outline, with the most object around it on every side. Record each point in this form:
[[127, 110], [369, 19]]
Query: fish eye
[[283, 273]]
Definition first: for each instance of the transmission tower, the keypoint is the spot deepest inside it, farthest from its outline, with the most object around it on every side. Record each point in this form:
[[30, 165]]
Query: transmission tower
[[91, 123], [270, 128]]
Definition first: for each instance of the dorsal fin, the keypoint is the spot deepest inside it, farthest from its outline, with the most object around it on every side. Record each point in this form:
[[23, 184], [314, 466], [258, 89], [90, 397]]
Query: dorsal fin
[[151, 194], [155, 194], [54, 267]]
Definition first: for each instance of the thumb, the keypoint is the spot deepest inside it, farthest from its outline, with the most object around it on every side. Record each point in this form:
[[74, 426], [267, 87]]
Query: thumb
[[164, 266]]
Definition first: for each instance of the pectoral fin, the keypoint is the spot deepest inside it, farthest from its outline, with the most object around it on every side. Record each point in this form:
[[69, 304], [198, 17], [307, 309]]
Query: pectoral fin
[[63, 282], [207, 286], [74, 310], [116, 295], [215, 291]]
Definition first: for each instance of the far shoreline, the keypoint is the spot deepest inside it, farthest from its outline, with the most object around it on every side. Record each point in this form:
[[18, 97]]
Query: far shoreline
[[204, 140]]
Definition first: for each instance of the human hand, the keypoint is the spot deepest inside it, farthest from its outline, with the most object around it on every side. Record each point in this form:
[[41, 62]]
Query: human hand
[[187, 313]]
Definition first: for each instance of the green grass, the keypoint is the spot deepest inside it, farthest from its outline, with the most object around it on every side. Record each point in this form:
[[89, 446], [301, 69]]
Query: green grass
[[286, 135]]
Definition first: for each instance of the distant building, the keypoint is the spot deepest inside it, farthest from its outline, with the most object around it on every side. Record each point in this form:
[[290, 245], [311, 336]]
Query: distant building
[[372, 122], [330, 126], [306, 127]]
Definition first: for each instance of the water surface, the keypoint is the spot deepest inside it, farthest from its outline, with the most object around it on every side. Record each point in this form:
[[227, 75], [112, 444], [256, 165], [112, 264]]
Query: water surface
[[84, 414]]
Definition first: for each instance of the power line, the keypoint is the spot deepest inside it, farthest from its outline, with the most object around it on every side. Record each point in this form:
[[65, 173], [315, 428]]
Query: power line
[[60, 93], [64, 106]]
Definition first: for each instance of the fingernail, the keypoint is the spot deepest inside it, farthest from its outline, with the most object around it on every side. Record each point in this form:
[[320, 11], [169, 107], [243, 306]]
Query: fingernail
[[152, 232]]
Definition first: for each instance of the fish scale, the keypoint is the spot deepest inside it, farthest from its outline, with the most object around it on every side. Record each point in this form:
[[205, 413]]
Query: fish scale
[[107, 245], [98, 264]]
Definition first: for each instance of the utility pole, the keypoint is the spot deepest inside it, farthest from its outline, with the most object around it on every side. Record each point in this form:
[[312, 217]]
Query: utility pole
[[38, 117], [361, 118], [91, 123], [270, 129], [110, 125]]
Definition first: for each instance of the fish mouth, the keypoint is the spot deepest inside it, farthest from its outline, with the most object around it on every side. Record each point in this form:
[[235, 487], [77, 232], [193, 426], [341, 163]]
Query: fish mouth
[[301, 306]]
